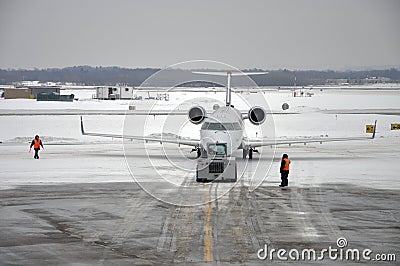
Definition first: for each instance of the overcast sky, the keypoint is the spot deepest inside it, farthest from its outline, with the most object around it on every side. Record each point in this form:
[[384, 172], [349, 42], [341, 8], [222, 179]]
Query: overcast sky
[[297, 34]]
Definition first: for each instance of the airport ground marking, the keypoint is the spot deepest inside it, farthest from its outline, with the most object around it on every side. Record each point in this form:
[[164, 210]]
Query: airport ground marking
[[395, 127], [208, 252]]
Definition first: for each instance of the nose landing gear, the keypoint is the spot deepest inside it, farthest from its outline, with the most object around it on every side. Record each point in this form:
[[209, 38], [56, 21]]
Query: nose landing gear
[[249, 151], [198, 150]]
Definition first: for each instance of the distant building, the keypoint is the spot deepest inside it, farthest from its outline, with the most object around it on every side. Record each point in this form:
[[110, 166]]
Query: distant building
[[375, 80], [337, 81], [114, 93], [3, 87], [55, 97], [29, 92], [35, 90], [18, 93]]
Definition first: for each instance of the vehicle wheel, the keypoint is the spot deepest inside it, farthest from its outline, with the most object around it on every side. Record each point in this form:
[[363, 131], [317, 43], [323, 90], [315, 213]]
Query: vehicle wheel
[[244, 153], [198, 152], [250, 154]]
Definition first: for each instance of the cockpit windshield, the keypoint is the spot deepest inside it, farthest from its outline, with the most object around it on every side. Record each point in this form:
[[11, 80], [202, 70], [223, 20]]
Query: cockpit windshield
[[221, 126]]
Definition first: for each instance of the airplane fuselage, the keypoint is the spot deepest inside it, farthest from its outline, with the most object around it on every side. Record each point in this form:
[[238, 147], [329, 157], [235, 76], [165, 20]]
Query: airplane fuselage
[[224, 125]]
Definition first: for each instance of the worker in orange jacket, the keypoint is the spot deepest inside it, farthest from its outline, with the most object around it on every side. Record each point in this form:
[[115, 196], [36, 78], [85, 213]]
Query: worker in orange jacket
[[36, 144], [284, 170]]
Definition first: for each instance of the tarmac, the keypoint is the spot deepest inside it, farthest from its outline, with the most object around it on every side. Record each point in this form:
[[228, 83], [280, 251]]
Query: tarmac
[[118, 223], [77, 219]]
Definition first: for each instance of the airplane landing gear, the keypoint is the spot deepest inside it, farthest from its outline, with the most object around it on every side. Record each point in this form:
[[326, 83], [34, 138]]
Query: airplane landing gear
[[249, 152], [197, 150], [245, 152]]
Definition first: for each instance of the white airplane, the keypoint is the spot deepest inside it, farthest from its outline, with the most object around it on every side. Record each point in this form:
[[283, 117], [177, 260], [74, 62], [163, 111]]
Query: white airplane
[[225, 126]]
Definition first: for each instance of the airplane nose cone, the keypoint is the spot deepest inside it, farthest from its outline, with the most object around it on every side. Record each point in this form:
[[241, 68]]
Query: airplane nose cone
[[222, 136]]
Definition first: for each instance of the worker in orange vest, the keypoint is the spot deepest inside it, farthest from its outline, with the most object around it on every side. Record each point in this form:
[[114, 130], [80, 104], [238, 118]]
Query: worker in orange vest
[[36, 143], [284, 170]]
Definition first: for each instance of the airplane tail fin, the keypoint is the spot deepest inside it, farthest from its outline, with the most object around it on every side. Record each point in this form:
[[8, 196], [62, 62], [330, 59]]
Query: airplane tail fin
[[229, 74]]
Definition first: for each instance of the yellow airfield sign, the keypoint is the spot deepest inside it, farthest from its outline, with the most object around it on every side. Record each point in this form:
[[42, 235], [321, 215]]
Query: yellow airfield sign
[[395, 127], [369, 128]]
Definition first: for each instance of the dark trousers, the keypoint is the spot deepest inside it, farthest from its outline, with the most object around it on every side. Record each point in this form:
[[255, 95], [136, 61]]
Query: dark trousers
[[36, 154], [284, 178]]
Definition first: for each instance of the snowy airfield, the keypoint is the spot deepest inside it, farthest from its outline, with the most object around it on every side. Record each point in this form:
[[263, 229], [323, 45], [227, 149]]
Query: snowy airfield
[[81, 192], [61, 133]]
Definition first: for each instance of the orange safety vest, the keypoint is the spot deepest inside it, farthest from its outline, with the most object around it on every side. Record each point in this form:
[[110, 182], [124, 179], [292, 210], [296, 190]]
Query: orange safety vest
[[37, 144], [287, 163]]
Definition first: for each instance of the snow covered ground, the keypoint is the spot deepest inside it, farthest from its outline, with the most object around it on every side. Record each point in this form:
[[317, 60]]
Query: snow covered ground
[[70, 157]]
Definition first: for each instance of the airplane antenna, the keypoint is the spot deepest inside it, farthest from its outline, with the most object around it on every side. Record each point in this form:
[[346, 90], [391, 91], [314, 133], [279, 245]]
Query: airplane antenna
[[228, 89]]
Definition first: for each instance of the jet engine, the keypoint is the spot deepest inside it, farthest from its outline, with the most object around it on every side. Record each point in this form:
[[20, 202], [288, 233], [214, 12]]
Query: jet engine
[[256, 115], [197, 114], [285, 106]]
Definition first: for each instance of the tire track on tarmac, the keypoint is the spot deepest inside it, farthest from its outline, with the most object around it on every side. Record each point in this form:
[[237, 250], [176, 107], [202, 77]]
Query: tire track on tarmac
[[136, 209], [208, 231], [168, 228], [331, 229], [262, 231], [236, 226], [182, 234], [215, 225], [313, 229]]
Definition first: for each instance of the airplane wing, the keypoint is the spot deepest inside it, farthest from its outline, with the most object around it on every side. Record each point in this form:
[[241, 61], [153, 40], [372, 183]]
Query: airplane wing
[[274, 142], [388, 111], [185, 112], [187, 142]]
